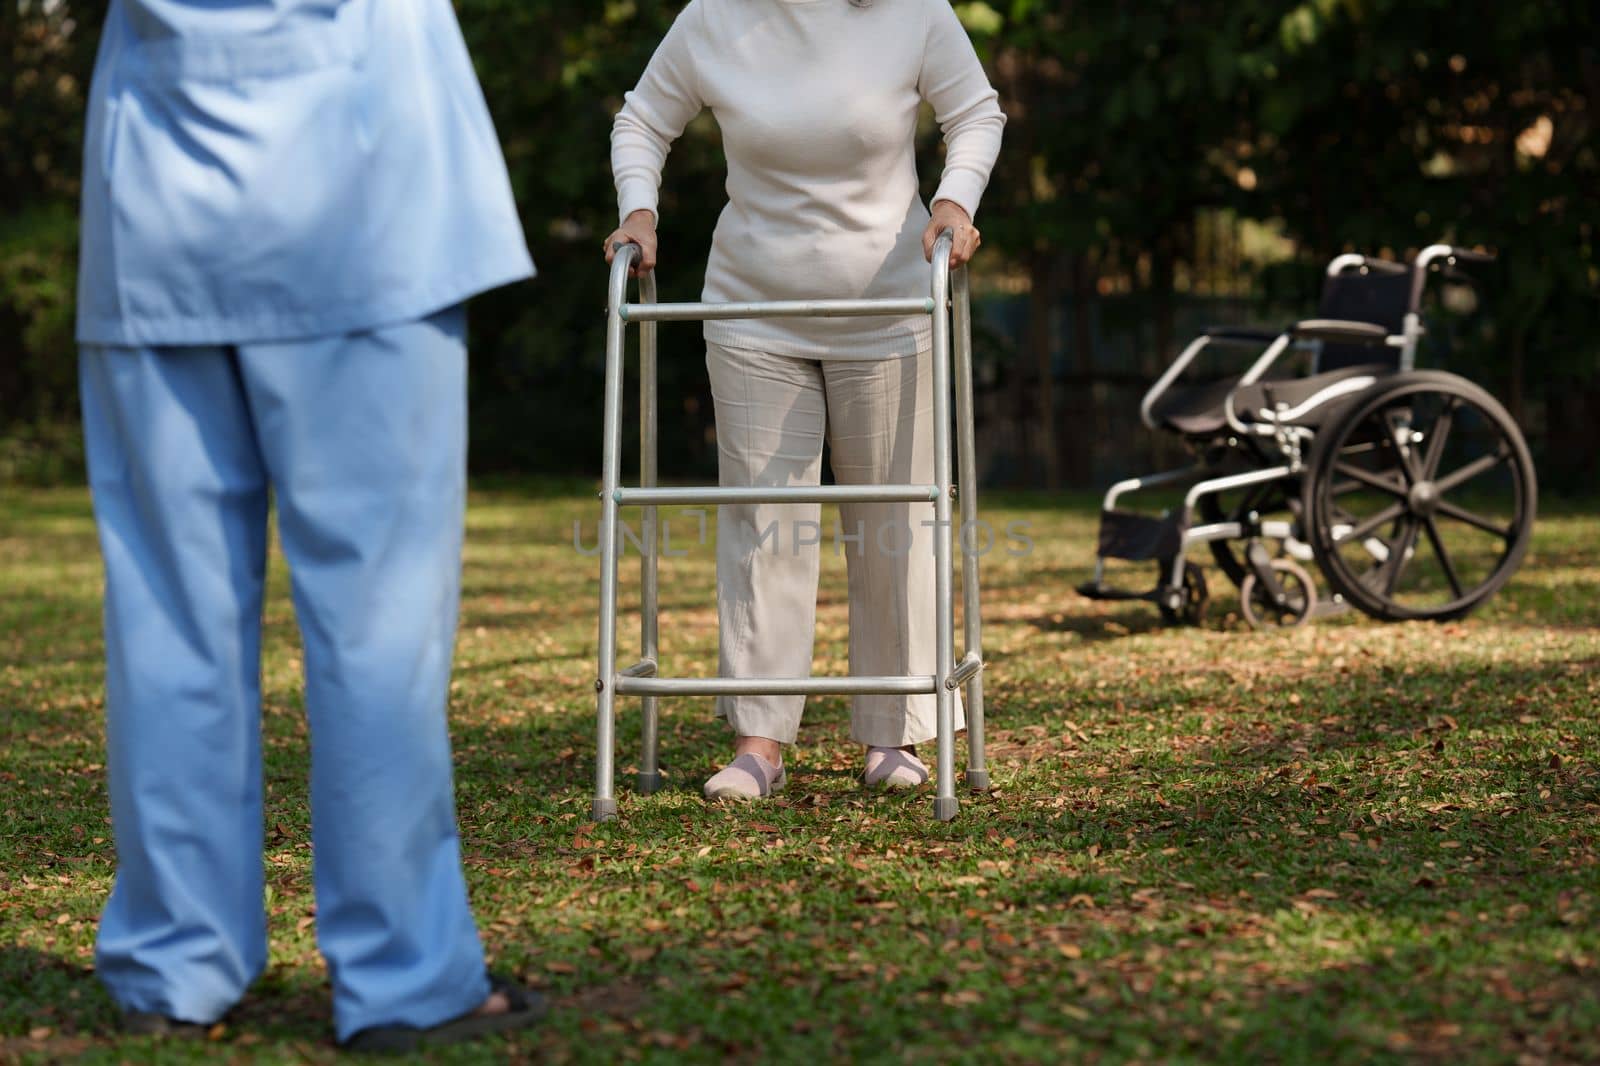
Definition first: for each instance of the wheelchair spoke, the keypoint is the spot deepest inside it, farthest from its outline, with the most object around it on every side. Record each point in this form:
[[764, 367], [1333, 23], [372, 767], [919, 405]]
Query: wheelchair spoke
[[1488, 525], [1400, 555], [1361, 529], [1424, 457], [1440, 434], [1366, 477], [1397, 426], [1445, 562], [1478, 466]]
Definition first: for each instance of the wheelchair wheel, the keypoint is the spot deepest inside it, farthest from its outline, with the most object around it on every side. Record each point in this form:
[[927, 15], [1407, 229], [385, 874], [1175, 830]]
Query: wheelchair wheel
[[1420, 498], [1192, 598], [1263, 611]]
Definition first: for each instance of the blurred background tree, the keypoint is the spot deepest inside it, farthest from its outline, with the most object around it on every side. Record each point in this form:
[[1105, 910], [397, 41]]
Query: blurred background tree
[[1166, 165], [46, 54]]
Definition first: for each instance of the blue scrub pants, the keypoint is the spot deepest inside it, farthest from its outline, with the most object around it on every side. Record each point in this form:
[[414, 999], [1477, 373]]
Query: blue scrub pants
[[362, 440]]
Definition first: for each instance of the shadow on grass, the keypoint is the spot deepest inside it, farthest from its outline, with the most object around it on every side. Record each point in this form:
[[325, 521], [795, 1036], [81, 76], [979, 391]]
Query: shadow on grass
[[1383, 712], [1115, 624], [67, 1012], [60, 1004]]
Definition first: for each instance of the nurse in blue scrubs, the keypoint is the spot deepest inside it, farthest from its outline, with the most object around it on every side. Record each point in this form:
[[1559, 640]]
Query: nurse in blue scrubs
[[285, 203]]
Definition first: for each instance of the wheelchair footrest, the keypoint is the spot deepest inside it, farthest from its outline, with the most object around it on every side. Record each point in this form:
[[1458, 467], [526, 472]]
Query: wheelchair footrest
[[1327, 608], [1105, 592], [1138, 537]]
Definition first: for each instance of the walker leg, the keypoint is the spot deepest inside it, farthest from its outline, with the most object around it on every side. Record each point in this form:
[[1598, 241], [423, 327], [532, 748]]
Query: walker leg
[[947, 678], [650, 779], [605, 804], [605, 684], [967, 480], [977, 770], [945, 804]]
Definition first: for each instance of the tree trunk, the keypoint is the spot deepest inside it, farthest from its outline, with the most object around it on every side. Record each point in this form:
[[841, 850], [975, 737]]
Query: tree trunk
[[1080, 427], [1163, 267], [1514, 389], [1041, 305], [1570, 433]]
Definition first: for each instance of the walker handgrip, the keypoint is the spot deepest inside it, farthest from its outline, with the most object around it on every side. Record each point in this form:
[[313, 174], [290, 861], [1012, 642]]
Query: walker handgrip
[[944, 243], [627, 254]]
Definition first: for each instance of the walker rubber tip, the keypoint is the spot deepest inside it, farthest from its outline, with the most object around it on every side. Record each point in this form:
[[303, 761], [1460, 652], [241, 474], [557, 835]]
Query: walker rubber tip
[[649, 784], [978, 780], [604, 810], [946, 808]]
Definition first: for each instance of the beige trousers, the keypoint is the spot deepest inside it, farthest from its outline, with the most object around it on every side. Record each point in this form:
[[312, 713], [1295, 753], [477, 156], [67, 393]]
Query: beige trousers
[[772, 412]]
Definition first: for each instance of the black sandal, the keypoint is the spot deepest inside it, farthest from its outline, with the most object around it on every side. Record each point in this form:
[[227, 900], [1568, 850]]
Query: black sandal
[[524, 1007], [149, 1023]]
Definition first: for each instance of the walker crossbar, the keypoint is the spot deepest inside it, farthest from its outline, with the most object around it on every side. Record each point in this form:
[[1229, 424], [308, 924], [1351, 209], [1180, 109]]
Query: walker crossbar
[[776, 686], [781, 494], [949, 306], [644, 312]]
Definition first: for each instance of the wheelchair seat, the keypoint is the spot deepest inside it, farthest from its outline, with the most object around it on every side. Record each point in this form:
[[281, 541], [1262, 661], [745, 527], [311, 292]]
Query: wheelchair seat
[[1358, 311], [1197, 410]]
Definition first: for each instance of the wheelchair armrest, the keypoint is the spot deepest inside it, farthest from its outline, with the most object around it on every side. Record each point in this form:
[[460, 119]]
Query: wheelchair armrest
[[1242, 334], [1469, 255], [1224, 336], [1338, 329]]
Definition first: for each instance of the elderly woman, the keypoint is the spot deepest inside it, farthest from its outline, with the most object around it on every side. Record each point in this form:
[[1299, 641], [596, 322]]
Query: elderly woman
[[817, 101]]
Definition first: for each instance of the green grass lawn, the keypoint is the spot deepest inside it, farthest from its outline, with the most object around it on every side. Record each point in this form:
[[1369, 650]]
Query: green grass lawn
[[1344, 843]]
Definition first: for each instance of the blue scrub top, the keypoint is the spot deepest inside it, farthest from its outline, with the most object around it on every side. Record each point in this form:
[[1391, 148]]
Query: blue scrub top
[[268, 170]]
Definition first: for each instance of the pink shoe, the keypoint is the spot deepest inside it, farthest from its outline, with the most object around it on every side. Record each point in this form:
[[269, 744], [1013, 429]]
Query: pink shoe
[[748, 777], [891, 768]]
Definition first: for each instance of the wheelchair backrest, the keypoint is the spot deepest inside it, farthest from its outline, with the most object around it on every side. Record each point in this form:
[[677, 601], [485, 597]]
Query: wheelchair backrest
[[1378, 291]]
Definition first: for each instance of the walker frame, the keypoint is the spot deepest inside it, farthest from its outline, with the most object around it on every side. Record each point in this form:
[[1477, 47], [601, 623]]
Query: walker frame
[[949, 306]]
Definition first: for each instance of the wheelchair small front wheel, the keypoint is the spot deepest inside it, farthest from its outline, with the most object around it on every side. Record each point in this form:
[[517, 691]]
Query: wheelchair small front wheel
[[1289, 605], [1420, 498], [1185, 605]]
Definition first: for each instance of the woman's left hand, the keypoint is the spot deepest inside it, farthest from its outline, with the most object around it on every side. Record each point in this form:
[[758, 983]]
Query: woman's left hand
[[948, 215]]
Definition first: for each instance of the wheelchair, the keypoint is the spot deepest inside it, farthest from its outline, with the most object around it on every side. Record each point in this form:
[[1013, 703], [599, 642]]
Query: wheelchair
[[1411, 492]]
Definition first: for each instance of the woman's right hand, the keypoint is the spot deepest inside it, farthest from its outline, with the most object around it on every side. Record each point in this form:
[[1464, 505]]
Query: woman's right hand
[[638, 228]]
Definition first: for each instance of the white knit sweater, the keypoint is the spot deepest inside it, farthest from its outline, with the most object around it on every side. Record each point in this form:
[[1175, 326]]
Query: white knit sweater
[[817, 101]]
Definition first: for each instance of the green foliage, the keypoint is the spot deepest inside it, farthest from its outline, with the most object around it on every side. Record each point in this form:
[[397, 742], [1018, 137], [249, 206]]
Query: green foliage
[[1380, 126], [39, 443], [554, 74], [1389, 125], [46, 51], [46, 54], [1373, 125], [38, 266], [980, 19]]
